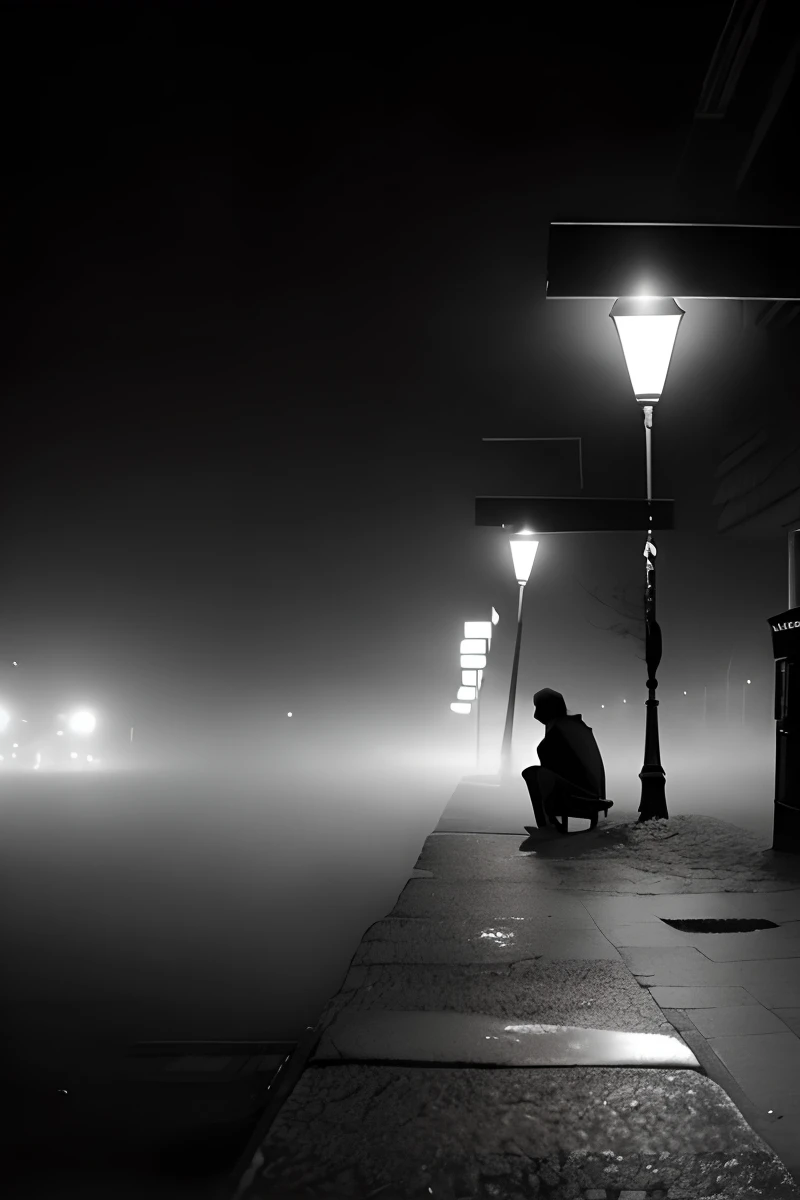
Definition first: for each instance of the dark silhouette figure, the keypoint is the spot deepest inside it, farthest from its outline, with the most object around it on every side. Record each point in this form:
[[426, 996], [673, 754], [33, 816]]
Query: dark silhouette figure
[[571, 775]]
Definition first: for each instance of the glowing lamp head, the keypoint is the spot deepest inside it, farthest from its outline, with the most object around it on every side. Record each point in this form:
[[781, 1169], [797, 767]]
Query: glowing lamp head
[[523, 552], [462, 709], [82, 721], [647, 328]]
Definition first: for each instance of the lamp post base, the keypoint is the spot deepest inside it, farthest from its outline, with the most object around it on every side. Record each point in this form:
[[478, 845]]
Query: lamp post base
[[653, 804]]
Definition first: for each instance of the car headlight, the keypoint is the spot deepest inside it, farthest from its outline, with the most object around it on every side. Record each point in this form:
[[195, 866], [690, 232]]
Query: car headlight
[[82, 721]]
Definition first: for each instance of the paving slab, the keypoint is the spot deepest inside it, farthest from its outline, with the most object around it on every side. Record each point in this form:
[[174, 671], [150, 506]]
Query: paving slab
[[790, 1017], [775, 982], [467, 939], [475, 1039], [700, 996], [475, 856], [358, 1131], [493, 898], [599, 994], [563, 939], [735, 1020], [677, 965], [766, 1066], [610, 910], [741, 947], [652, 933], [600, 862]]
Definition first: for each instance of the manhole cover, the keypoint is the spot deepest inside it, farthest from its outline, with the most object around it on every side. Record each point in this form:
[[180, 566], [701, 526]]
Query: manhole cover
[[725, 925]]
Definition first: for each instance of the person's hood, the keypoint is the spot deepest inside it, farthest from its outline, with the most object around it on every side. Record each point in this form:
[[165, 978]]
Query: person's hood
[[543, 701]]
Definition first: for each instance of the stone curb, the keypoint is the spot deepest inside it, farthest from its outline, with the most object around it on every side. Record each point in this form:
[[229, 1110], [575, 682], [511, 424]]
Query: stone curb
[[348, 1130]]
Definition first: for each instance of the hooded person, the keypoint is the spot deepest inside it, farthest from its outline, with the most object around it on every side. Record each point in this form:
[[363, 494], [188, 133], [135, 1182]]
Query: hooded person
[[569, 757]]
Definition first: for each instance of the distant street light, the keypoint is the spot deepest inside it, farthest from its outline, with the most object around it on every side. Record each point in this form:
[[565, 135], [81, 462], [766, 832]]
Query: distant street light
[[475, 647], [522, 555], [647, 328]]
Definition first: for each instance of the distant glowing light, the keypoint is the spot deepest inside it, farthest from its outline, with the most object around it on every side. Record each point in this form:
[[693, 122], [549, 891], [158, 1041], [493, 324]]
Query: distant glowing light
[[13, 756], [15, 664], [602, 705], [88, 758], [288, 714], [478, 661], [82, 721], [748, 681], [478, 629], [624, 701], [474, 646], [463, 709], [59, 733], [684, 693], [15, 745], [73, 754]]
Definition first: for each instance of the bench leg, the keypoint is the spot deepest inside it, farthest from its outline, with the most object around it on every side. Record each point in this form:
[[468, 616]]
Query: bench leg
[[593, 823]]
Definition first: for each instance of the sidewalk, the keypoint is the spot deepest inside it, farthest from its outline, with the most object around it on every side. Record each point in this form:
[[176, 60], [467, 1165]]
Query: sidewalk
[[525, 1023]]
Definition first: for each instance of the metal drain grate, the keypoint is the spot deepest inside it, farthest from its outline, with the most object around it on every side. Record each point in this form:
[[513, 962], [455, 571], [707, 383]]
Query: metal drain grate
[[726, 925]]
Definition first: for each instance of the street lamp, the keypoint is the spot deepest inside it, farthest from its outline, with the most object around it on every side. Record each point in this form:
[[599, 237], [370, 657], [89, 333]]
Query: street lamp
[[647, 328], [522, 555], [476, 634], [475, 647]]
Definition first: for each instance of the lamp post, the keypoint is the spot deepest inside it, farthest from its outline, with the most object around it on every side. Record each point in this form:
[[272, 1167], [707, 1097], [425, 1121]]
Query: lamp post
[[522, 555], [647, 328]]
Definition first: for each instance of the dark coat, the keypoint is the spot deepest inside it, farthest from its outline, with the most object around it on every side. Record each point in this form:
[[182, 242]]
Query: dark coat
[[569, 749]]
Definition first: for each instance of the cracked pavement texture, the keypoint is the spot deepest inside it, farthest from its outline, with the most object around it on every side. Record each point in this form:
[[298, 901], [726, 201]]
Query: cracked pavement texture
[[355, 1131], [490, 925], [468, 939], [682, 854], [592, 995]]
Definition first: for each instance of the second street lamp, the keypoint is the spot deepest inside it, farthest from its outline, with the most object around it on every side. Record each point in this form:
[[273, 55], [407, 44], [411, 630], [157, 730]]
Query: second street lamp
[[647, 328], [522, 554]]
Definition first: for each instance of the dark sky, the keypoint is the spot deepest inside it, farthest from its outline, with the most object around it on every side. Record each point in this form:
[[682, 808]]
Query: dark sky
[[265, 289]]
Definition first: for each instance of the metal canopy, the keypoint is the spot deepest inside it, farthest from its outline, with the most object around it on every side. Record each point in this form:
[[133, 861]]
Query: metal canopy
[[602, 261], [574, 514]]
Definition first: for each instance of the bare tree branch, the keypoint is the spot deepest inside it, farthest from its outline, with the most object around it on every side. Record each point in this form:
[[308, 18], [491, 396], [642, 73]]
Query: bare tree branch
[[632, 627]]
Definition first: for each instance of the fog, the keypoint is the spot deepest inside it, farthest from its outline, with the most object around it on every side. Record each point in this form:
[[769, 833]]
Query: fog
[[226, 902]]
